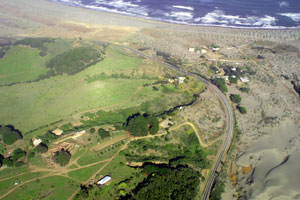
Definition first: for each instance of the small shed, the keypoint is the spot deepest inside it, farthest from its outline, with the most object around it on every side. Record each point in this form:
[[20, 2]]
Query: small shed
[[36, 141], [57, 132], [191, 49], [104, 180], [181, 79], [244, 79]]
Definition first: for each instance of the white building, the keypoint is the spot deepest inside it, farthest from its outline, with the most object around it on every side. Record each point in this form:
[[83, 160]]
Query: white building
[[104, 180], [203, 51], [191, 49], [181, 79], [244, 79], [224, 77], [36, 141]]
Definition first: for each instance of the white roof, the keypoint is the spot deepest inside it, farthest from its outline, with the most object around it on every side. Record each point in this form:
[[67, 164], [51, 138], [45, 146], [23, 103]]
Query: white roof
[[104, 180], [36, 141], [244, 79]]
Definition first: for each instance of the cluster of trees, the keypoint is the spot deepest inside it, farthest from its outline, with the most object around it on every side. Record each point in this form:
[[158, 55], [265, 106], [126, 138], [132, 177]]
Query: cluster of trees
[[220, 83], [41, 148], [141, 125], [237, 99], [48, 137], [62, 157], [217, 191], [14, 160], [103, 133], [9, 134], [164, 182], [38, 43], [244, 89], [73, 61]]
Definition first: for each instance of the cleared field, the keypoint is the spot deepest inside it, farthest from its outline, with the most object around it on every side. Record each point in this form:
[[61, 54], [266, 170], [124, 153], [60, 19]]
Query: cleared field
[[85, 173], [109, 142], [54, 187], [21, 64], [32, 105]]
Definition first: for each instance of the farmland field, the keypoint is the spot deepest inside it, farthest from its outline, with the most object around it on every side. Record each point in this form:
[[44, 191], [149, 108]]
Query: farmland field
[[21, 64], [97, 94], [31, 105]]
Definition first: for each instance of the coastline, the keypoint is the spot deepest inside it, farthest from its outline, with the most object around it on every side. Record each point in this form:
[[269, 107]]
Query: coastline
[[120, 13], [44, 18]]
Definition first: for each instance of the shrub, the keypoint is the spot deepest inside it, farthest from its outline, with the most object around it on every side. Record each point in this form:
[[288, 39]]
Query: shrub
[[103, 133], [42, 148], [62, 157], [220, 83], [8, 162], [242, 109], [92, 130], [17, 154], [235, 98], [244, 89]]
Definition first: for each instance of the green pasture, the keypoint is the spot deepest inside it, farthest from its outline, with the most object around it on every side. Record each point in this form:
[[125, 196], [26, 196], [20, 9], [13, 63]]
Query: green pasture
[[31, 105], [50, 188], [85, 173], [21, 64], [8, 184]]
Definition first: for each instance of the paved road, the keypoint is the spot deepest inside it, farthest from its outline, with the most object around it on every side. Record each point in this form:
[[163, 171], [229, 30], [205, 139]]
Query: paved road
[[226, 144]]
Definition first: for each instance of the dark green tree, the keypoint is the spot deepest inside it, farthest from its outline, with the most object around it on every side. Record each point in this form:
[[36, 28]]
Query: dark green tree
[[103, 133], [235, 98], [62, 157], [241, 109], [42, 148], [17, 154], [9, 134]]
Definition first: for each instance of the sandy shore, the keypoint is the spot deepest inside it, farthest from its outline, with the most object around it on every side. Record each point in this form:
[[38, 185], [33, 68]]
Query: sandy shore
[[45, 18]]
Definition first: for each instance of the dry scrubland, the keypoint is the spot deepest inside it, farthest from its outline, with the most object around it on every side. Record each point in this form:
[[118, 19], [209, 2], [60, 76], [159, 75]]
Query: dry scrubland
[[268, 143]]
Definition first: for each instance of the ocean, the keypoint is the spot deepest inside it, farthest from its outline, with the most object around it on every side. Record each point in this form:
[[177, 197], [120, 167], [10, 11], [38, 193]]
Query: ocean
[[226, 13]]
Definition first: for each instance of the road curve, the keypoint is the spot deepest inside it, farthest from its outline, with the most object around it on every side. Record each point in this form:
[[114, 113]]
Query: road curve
[[229, 114]]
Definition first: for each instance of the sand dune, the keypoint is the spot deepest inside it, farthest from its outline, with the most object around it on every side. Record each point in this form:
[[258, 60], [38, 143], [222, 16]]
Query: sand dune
[[276, 160]]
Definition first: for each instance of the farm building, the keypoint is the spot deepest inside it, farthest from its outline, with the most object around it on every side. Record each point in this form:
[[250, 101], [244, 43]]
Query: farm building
[[57, 132], [36, 141], [104, 180], [191, 49], [181, 79], [244, 79]]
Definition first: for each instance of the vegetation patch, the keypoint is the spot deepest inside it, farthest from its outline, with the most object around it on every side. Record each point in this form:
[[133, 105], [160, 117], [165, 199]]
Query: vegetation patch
[[62, 157], [73, 61], [164, 182], [84, 173], [9, 134], [141, 125]]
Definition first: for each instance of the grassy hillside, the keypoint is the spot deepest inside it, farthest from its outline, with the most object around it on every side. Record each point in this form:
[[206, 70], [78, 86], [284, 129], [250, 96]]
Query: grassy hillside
[[31, 105], [21, 64]]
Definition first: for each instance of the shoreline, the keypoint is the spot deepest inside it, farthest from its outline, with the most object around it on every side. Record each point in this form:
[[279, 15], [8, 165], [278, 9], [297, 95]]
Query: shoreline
[[153, 20]]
